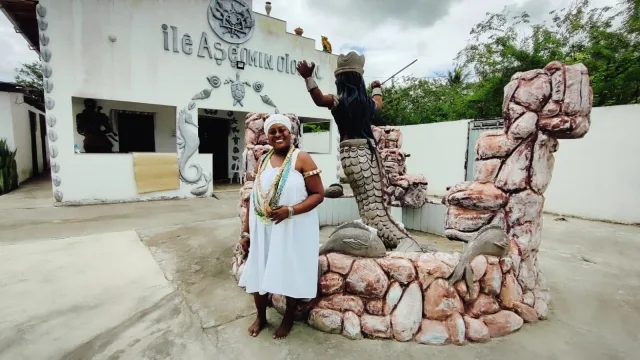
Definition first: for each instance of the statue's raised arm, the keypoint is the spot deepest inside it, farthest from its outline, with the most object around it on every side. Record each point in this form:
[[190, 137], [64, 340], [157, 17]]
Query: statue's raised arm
[[306, 71]]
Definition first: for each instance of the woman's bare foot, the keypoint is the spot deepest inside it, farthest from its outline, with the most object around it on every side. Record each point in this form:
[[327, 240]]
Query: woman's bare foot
[[257, 326], [284, 329]]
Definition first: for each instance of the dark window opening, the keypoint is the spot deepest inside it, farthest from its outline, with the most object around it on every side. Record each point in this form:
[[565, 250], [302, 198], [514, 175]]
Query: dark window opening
[[136, 131]]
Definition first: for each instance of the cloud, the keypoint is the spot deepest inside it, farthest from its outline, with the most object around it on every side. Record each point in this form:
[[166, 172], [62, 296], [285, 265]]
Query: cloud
[[14, 50], [390, 33]]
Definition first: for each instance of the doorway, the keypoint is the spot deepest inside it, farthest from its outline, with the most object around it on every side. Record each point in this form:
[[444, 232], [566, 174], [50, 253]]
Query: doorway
[[43, 143], [477, 127], [34, 143], [214, 139]]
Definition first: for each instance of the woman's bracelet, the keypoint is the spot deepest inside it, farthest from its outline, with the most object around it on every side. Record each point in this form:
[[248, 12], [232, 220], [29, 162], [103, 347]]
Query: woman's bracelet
[[245, 235], [290, 211]]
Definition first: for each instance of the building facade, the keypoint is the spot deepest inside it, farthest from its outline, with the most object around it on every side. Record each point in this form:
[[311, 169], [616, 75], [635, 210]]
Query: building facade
[[174, 80]]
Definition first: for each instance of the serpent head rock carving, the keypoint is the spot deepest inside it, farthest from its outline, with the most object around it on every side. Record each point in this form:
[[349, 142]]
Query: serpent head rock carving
[[355, 238], [188, 143], [491, 240]]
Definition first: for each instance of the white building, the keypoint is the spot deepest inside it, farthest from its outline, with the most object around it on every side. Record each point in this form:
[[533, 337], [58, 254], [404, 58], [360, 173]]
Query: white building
[[144, 62], [22, 124]]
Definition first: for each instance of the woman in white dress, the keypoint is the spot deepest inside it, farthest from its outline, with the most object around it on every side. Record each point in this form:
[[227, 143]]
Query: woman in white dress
[[281, 229]]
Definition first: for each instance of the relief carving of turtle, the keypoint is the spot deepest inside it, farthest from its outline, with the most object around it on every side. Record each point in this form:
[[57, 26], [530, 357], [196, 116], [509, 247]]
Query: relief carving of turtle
[[237, 89]]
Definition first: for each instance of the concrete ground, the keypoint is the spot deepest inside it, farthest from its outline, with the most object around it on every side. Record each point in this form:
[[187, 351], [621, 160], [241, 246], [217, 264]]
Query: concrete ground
[[151, 281]]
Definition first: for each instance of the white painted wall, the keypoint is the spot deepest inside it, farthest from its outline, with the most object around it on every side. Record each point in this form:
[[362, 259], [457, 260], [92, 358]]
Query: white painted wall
[[437, 152], [6, 119], [318, 142], [16, 127], [137, 68], [598, 177], [165, 121]]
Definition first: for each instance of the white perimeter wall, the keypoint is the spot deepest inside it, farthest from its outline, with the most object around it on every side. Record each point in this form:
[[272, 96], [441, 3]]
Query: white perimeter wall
[[317, 143], [597, 177], [16, 128], [437, 151]]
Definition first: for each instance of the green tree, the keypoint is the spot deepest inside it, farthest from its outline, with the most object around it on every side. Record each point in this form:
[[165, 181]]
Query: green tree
[[29, 75]]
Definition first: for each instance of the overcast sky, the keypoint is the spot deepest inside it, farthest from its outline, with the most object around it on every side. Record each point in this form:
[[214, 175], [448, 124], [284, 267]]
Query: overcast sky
[[389, 34]]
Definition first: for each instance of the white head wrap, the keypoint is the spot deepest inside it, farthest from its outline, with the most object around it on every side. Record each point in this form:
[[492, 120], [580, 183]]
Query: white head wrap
[[276, 119]]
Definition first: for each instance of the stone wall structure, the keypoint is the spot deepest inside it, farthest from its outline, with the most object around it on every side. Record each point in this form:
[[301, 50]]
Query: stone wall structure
[[406, 296], [402, 189]]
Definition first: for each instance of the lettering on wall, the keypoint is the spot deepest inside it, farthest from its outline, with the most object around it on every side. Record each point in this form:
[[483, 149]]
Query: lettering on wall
[[233, 22]]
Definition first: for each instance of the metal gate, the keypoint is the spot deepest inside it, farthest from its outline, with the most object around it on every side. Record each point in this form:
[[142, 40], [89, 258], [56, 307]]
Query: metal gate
[[476, 127]]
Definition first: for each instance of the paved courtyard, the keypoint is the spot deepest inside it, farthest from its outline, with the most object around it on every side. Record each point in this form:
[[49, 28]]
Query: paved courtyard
[[151, 281]]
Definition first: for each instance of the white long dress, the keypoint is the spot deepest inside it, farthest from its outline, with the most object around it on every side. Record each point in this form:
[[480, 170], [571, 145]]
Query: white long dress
[[283, 258]]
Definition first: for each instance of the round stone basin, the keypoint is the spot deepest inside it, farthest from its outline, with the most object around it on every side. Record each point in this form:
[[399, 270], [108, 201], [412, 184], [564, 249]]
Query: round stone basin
[[406, 297]]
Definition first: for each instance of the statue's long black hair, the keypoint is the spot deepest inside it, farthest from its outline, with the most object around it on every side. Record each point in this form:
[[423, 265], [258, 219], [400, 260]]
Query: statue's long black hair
[[355, 110]]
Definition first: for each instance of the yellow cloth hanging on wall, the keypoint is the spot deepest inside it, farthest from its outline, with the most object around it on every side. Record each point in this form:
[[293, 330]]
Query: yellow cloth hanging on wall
[[156, 172]]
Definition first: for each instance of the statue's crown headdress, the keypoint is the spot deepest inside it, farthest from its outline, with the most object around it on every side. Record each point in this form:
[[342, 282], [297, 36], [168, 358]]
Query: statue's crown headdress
[[350, 62]]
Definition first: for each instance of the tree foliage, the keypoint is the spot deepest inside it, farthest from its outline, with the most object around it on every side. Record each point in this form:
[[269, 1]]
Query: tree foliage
[[605, 40], [29, 75]]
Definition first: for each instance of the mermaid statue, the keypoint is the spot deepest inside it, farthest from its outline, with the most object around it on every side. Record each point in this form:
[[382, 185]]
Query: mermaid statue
[[353, 111]]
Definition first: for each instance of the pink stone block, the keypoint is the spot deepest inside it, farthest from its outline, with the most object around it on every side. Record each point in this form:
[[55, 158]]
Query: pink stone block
[[429, 269], [340, 263], [433, 333], [528, 298], [375, 307], [407, 316], [572, 96], [393, 297], [509, 90], [478, 196], [491, 283], [331, 283], [484, 305], [511, 292], [566, 127], [494, 144], [528, 273], [477, 331], [351, 326], [324, 264], [543, 161], [514, 174], [523, 207], [486, 170], [528, 236], [367, 279], [479, 267], [376, 326], [401, 270], [329, 321], [503, 323], [467, 220], [456, 329], [461, 288], [524, 126], [441, 301], [342, 303], [535, 93], [527, 313]]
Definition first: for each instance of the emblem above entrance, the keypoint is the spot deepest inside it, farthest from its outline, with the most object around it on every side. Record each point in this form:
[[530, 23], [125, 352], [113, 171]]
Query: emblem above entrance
[[231, 20]]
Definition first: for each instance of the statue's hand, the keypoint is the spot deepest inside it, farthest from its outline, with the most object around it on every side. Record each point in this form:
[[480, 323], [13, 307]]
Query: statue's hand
[[376, 84], [305, 70]]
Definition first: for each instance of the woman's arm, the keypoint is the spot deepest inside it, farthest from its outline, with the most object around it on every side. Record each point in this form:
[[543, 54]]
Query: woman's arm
[[313, 183]]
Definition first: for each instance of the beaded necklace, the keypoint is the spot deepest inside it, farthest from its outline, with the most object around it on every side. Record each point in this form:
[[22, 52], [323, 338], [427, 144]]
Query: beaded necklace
[[271, 198]]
